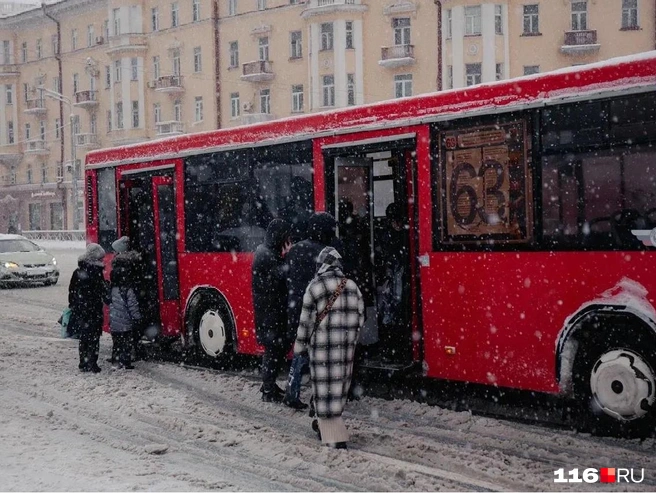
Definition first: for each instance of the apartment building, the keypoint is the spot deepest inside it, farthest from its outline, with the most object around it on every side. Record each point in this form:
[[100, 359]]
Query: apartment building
[[131, 70]]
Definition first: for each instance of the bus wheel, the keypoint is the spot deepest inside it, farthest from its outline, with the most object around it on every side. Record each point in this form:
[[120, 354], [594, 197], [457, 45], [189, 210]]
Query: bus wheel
[[615, 386], [210, 324]]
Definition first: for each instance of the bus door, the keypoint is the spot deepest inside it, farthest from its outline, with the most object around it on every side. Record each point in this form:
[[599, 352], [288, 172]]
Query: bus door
[[374, 210]]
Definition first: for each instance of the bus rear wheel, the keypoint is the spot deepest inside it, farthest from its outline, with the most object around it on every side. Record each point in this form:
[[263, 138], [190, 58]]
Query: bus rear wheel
[[210, 326], [615, 386]]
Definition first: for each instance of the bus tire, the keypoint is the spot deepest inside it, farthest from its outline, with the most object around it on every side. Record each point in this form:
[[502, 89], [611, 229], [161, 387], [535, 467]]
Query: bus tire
[[211, 329], [614, 379]]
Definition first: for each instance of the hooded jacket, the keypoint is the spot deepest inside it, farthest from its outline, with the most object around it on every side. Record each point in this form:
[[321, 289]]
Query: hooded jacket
[[331, 344], [124, 313], [269, 287], [302, 264], [87, 292]]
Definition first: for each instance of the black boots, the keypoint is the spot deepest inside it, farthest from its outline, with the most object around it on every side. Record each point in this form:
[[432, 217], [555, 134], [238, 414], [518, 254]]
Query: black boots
[[276, 394]]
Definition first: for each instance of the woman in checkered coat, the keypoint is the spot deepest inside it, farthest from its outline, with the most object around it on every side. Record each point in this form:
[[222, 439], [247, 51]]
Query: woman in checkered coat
[[331, 343]]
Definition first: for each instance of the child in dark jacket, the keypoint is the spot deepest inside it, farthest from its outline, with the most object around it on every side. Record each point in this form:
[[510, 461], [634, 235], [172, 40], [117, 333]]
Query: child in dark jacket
[[124, 314]]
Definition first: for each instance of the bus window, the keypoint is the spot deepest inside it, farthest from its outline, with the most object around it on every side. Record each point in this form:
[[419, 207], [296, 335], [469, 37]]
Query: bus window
[[107, 215], [574, 125], [633, 119], [231, 197]]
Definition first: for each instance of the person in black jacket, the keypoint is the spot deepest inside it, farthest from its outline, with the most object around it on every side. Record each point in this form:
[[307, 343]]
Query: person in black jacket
[[87, 292], [270, 305], [301, 267]]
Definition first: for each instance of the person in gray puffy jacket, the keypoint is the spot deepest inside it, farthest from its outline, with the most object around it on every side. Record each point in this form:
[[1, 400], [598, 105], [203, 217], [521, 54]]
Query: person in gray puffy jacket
[[124, 314]]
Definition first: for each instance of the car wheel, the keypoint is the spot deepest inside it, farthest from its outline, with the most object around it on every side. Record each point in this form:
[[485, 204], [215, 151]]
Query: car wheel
[[615, 385], [210, 325], [50, 282]]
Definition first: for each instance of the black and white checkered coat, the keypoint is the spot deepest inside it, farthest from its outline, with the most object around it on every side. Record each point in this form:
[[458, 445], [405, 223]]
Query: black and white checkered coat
[[331, 347]]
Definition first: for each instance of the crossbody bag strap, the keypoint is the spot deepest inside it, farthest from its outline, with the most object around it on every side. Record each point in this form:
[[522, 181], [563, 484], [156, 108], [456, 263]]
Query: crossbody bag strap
[[331, 302]]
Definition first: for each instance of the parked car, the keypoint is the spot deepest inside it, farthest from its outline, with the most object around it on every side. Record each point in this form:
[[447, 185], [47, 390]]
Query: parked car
[[24, 262]]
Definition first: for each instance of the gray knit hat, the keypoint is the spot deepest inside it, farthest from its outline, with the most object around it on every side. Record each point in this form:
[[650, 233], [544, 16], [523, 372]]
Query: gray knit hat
[[121, 245], [93, 255]]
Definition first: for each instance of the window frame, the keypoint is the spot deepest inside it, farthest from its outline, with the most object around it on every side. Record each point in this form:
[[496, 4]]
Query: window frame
[[234, 54], [198, 109], [235, 105], [265, 101], [195, 10], [198, 61], [473, 20], [403, 83], [531, 20], [327, 33], [349, 35], [175, 14], [298, 103], [628, 13], [328, 91], [579, 17], [476, 77], [295, 45]]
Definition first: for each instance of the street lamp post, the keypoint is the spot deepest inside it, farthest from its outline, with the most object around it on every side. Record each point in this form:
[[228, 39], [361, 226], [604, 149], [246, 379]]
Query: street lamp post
[[74, 170]]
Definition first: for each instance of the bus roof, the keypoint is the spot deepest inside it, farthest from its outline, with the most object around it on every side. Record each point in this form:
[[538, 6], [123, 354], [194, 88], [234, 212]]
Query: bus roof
[[635, 72]]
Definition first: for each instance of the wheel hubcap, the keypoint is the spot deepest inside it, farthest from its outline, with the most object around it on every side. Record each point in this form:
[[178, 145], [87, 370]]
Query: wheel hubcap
[[622, 384], [212, 333]]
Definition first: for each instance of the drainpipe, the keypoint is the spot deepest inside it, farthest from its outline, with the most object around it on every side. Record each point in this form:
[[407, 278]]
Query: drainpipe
[[438, 4], [217, 65], [61, 109]]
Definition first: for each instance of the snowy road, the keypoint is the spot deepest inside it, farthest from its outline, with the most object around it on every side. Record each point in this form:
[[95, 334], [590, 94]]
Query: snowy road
[[62, 430]]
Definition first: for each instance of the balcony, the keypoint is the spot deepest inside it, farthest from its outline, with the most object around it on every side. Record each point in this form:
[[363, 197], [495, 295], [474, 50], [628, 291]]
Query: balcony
[[86, 99], [580, 42], [10, 155], [35, 107], [321, 7], [168, 83], [36, 147], [251, 118], [397, 56], [127, 43], [259, 71], [169, 128], [87, 141], [9, 71]]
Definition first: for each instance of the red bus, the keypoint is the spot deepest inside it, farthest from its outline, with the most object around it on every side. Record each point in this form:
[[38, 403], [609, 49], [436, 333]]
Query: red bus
[[525, 203]]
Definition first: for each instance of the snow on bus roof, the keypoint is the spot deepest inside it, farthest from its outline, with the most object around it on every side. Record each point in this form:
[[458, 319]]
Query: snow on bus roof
[[402, 111]]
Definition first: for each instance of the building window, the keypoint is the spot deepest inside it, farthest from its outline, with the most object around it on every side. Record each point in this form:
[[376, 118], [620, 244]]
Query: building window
[[28, 131], [629, 14], [401, 27], [449, 77], [74, 40], [44, 173], [198, 115], [117, 71], [94, 123], [135, 114], [108, 77], [499, 71], [234, 54], [531, 69], [264, 48], [261, 4], [39, 49], [76, 124], [177, 110], [56, 84], [175, 21], [328, 87], [56, 214], [119, 115], [403, 85], [531, 19], [349, 35], [116, 21], [24, 52], [9, 94], [297, 98], [448, 23], [134, 66], [195, 11], [109, 121], [154, 18], [473, 72], [156, 67], [176, 61], [57, 128], [34, 212], [579, 16], [42, 130], [327, 36], [235, 109], [10, 132], [76, 83], [198, 65], [157, 112], [29, 180], [26, 91], [54, 41], [91, 37], [232, 7], [296, 44], [350, 89], [498, 19], [106, 28], [473, 20], [265, 101]]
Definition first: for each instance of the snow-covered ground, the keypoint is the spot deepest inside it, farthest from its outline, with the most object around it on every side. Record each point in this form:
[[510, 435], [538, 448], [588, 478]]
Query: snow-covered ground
[[165, 427]]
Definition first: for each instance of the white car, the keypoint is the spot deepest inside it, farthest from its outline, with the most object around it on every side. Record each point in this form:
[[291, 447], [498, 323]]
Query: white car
[[24, 262]]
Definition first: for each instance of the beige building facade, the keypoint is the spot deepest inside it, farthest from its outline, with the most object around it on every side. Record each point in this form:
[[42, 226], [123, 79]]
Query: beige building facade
[[123, 71]]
